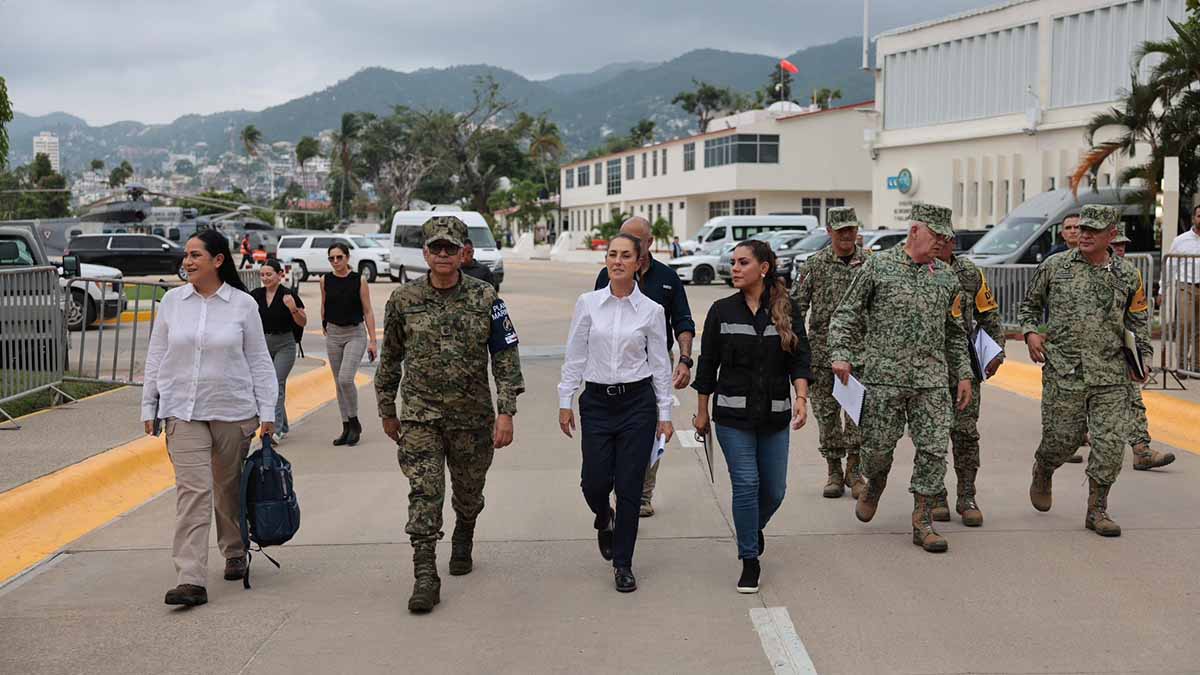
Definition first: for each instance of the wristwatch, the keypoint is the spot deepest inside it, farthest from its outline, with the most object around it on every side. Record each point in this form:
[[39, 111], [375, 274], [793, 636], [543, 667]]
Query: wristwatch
[[687, 361]]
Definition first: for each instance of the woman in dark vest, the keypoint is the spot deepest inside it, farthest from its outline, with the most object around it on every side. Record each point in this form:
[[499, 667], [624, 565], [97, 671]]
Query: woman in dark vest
[[345, 310]]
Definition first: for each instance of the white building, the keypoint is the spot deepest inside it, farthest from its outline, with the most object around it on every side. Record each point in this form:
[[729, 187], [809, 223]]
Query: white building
[[46, 143], [979, 110], [752, 163]]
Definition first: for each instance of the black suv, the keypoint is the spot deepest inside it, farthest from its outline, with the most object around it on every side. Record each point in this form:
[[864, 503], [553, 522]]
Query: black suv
[[133, 254]]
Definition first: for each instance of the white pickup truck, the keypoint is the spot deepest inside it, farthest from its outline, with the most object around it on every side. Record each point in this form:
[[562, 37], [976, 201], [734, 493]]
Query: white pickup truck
[[88, 301]]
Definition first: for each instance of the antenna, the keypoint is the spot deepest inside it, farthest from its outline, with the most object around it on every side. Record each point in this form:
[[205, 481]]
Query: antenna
[[866, 65]]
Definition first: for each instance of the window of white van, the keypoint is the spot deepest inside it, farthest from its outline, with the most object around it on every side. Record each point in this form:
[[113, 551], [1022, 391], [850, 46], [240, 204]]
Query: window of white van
[[364, 242], [481, 237], [408, 236]]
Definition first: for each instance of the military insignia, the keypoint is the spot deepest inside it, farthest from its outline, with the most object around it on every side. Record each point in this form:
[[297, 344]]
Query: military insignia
[[956, 310], [502, 335], [985, 300], [1138, 304]]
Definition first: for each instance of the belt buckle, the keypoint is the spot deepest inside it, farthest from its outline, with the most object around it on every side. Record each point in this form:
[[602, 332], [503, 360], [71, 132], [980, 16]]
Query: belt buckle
[[614, 389]]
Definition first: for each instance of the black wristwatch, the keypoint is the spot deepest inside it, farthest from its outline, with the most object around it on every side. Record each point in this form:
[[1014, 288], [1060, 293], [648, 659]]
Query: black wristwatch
[[687, 361]]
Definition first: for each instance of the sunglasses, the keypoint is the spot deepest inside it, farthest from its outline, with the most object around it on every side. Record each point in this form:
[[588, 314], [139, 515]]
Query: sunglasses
[[335, 258], [443, 247]]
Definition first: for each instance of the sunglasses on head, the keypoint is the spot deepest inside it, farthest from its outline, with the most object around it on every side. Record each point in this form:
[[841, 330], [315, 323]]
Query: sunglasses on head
[[443, 247]]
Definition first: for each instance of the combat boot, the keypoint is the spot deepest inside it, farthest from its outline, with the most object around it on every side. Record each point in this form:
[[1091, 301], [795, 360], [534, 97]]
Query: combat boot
[[868, 500], [965, 505], [833, 485], [461, 544], [854, 479], [940, 510], [1040, 490], [922, 522], [1144, 458], [427, 590], [1097, 518]]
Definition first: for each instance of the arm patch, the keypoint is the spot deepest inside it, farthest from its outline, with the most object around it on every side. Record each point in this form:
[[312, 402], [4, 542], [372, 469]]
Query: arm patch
[[985, 300], [502, 335], [956, 309], [1138, 304]]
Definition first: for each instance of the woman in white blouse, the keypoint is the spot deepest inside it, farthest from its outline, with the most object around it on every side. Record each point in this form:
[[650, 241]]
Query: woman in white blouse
[[209, 376], [617, 350]]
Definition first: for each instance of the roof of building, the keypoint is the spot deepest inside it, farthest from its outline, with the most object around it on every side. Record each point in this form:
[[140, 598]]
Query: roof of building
[[952, 17]]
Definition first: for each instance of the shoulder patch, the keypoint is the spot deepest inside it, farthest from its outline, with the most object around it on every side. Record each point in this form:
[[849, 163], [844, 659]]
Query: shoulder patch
[[503, 335], [985, 300], [1139, 304], [956, 309]]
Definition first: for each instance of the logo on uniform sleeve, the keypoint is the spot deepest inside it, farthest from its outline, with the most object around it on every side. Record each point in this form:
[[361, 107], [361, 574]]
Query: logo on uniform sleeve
[[985, 300], [502, 335], [1138, 304]]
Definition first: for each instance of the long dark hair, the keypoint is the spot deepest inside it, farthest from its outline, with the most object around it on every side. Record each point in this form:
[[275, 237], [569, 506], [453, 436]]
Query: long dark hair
[[781, 303], [637, 252], [216, 244], [341, 246]]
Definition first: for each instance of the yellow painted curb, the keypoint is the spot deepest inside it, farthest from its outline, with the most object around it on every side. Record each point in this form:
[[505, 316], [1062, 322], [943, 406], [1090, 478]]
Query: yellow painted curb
[[130, 316], [1171, 420], [43, 515]]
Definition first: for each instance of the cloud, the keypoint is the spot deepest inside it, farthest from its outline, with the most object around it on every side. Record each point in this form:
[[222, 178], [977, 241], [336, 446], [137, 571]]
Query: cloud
[[154, 60]]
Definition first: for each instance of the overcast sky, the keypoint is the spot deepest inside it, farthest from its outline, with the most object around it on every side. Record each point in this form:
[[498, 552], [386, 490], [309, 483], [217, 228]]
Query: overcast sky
[[154, 60]]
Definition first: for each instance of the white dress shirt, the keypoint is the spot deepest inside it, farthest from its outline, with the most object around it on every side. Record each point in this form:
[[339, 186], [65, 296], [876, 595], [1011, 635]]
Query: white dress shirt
[[617, 341], [208, 359], [1187, 243]]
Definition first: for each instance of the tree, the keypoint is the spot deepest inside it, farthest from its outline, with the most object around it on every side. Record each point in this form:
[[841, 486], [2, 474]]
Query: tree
[[662, 231], [778, 87], [251, 138], [344, 140], [6, 116], [306, 149], [545, 147], [824, 97], [97, 165], [40, 168], [120, 174], [705, 102], [609, 228], [642, 133]]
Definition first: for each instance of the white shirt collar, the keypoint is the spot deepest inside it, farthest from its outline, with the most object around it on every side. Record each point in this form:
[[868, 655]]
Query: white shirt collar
[[635, 298], [223, 292]]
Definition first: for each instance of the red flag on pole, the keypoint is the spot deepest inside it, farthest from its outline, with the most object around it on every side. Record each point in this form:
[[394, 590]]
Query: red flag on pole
[[788, 66]]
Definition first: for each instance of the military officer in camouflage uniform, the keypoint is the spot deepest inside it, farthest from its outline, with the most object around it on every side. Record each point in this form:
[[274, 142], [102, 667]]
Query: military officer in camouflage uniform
[[1093, 297], [980, 311], [1144, 458], [822, 281], [439, 333], [900, 320]]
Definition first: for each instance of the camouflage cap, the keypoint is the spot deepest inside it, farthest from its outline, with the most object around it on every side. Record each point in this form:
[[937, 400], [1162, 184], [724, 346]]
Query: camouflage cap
[[841, 217], [444, 228], [1099, 217], [1121, 238], [936, 218]]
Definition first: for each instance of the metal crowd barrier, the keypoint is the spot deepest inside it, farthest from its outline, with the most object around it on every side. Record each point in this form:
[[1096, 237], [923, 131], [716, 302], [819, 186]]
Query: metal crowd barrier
[[114, 331], [1181, 314], [32, 334]]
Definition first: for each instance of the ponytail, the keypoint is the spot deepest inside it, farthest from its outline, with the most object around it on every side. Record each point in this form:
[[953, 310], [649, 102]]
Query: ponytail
[[781, 303], [216, 244]]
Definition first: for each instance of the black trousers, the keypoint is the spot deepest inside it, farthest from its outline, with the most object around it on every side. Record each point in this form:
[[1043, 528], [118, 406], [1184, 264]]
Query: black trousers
[[617, 434]]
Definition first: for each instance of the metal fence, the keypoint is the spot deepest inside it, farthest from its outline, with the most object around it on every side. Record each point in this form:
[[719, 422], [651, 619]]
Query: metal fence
[[32, 334], [1181, 315]]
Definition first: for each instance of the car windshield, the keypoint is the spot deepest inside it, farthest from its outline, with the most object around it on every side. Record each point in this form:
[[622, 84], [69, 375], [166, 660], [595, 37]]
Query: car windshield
[[364, 242], [481, 237], [813, 242], [1007, 237]]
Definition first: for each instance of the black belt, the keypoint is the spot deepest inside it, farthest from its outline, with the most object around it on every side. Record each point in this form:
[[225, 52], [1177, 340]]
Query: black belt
[[612, 390]]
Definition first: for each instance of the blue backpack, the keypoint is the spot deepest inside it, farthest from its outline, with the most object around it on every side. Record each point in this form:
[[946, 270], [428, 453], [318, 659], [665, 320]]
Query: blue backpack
[[270, 513]]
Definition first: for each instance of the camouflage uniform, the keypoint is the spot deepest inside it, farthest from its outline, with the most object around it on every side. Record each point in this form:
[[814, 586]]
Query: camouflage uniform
[[980, 310], [1085, 383], [822, 281], [436, 346]]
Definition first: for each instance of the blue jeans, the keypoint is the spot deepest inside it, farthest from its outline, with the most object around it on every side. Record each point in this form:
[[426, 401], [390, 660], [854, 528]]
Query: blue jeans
[[757, 462]]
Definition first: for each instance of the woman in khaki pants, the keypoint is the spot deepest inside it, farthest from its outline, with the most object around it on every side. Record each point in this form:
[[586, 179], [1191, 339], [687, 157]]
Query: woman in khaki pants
[[210, 377]]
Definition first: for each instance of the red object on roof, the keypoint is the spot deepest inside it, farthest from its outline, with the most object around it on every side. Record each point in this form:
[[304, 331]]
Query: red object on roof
[[788, 66]]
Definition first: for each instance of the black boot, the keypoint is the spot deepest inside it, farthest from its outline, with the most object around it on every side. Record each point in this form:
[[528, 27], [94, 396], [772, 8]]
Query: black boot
[[354, 433], [748, 582], [341, 440], [461, 545]]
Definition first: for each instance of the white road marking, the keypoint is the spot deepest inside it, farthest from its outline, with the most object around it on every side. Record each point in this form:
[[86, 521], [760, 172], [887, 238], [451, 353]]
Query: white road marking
[[687, 438], [780, 642]]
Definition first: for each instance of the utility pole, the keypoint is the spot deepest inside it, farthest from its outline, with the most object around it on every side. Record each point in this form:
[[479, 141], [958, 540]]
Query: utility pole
[[866, 38]]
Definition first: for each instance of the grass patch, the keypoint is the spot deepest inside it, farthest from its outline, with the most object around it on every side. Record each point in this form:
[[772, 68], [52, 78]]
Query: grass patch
[[45, 399], [139, 292]]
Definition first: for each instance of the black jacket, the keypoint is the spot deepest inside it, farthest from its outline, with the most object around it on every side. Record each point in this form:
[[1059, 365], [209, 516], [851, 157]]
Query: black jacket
[[743, 362]]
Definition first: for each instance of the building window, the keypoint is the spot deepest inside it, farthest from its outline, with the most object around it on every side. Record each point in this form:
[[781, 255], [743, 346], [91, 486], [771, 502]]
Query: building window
[[658, 210], [1052, 184], [630, 167], [745, 207], [718, 208], [1022, 191], [599, 172], [644, 160], [569, 178], [989, 198], [718, 151], [584, 176], [957, 206], [811, 206], [664, 161], [680, 206], [1108, 180], [743, 149], [671, 213], [654, 163], [614, 177], [1007, 197], [689, 156], [973, 198]]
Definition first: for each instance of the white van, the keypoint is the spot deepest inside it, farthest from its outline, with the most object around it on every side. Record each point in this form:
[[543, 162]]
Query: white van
[[408, 243], [739, 228], [309, 254]]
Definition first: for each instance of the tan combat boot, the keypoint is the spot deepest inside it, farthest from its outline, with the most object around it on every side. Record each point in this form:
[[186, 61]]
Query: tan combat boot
[[854, 479], [1040, 490], [1144, 458], [922, 521], [940, 510], [1097, 518], [833, 485], [427, 590], [965, 505], [461, 544], [868, 500]]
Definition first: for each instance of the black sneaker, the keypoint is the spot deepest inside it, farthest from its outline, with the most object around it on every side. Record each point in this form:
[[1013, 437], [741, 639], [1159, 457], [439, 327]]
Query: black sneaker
[[748, 582], [187, 594], [625, 581], [604, 537]]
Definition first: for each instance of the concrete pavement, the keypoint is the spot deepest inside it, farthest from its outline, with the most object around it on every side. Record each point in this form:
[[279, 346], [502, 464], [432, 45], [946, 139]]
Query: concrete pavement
[[1028, 592]]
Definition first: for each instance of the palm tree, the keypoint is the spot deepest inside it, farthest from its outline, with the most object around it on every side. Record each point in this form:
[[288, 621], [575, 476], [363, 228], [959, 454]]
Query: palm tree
[[97, 165], [343, 148], [306, 149], [251, 137], [545, 147], [642, 133]]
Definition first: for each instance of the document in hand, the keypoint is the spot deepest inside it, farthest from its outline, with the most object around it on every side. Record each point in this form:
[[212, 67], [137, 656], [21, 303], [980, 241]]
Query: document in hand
[[1133, 358], [850, 396], [986, 349], [660, 447]]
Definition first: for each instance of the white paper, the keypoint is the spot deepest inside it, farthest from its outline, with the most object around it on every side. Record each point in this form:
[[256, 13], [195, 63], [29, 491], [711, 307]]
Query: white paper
[[849, 396], [656, 453], [986, 349]]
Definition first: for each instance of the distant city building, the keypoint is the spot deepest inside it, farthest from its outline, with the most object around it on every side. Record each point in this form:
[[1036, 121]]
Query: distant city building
[[787, 159], [46, 143]]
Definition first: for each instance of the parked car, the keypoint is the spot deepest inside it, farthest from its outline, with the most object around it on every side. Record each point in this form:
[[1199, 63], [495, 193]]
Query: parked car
[[309, 254], [133, 254], [877, 241], [408, 260], [725, 264], [701, 268], [791, 260], [965, 239], [727, 229], [88, 302]]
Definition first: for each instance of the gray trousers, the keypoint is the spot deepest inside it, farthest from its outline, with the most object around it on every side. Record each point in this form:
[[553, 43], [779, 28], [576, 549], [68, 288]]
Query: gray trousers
[[282, 348], [345, 346]]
